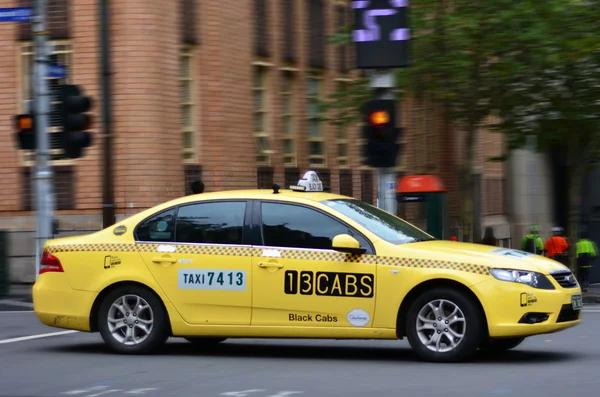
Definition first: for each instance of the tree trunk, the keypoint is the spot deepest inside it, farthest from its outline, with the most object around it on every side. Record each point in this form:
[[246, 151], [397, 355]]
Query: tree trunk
[[467, 177]]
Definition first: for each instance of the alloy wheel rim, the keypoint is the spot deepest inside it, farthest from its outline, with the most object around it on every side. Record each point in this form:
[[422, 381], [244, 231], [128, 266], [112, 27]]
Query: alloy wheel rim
[[130, 319], [441, 325]]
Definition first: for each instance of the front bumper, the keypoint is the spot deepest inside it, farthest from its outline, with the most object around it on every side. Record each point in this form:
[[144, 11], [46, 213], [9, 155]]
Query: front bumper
[[517, 310], [58, 305]]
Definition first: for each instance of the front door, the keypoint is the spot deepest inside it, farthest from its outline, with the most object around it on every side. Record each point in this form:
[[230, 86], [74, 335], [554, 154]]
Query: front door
[[197, 255], [299, 281]]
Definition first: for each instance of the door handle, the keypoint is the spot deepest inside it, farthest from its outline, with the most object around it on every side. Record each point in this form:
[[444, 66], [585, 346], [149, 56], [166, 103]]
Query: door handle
[[265, 265], [163, 259]]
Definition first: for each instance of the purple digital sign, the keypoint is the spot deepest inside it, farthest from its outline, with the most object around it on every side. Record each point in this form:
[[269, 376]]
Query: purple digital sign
[[381, 33]]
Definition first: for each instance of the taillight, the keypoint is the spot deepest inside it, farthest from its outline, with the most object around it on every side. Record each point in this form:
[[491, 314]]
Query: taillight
[[50, 263]]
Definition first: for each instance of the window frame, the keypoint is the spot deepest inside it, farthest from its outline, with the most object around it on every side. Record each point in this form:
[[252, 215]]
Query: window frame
[[322, 135], [291, 117], [189, 154], [246, 228], [258, 224], [263, 158]]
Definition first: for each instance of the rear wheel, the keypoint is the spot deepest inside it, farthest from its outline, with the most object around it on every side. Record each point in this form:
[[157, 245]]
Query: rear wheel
[[444, 325], [132, 320]]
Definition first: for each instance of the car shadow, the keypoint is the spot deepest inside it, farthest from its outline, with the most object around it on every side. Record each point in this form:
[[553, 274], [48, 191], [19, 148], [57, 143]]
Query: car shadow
[[240, 350]]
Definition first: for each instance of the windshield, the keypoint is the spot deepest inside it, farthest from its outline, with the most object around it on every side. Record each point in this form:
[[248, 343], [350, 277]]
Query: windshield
[[390, 228]]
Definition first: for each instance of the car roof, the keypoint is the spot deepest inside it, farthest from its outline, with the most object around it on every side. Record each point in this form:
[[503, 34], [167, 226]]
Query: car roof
[[264, 194]]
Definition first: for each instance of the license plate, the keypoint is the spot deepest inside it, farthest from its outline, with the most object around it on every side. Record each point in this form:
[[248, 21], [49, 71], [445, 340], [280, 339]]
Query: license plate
[[577, 302]]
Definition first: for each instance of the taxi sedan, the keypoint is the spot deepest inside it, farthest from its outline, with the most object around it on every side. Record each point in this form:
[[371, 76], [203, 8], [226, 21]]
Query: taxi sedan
[[296, 263]]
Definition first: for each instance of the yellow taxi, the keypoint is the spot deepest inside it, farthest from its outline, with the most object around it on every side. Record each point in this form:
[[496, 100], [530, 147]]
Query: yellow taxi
[[297, 263]]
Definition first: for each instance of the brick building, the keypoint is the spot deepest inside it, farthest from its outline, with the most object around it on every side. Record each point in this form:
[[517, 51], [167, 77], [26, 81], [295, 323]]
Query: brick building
[[217, 89]]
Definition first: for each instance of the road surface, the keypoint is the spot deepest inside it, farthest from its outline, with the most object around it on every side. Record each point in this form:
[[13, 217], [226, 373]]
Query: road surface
[[39, 361]]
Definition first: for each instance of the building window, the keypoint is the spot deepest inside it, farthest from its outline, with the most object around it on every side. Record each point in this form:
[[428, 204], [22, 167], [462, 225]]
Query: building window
[[261, 28], [316, 135], [186, 89], [346, 183], [61, 55], [289, 128], [366, 183], [291, 176], [342, 135], [191, 174], [288, 31], [189, 19], [316, 28], [259, 91], [58, 22]]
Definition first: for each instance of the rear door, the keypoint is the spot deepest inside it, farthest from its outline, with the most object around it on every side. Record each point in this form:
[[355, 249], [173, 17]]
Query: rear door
[[198, 255]]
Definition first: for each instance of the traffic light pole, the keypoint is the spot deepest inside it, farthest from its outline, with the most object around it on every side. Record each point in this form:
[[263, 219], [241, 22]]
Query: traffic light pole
[[43, 172], [383, 82]]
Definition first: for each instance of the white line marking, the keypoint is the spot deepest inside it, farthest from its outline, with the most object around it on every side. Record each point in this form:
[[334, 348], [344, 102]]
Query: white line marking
[[16, 311], [140, 391], [15, 303], [30, 337]]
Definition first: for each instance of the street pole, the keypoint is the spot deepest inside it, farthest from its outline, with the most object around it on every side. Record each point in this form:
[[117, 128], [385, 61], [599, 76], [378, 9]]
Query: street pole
[[43, 173], [383, 82], [108, 195], [532, 144]]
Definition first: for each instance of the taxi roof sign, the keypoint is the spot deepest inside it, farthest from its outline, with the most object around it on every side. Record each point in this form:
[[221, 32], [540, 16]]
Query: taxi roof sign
[[310, 182]]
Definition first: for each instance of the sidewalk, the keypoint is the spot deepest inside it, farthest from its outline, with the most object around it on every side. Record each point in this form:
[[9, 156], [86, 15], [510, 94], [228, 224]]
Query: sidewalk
[[22, 292]]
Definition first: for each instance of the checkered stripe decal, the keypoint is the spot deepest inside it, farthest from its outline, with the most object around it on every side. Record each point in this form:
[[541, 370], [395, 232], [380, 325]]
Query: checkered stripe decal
[[323, 256], [213, 250], [434, 264], [92, 248], [285, 254]]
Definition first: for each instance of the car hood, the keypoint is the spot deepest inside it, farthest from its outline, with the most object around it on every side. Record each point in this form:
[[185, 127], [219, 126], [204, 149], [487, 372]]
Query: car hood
[[480, 254]]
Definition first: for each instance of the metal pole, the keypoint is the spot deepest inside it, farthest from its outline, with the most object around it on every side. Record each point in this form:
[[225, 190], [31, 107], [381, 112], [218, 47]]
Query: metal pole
[[532, 144], [108, 200], [383, 82], [43, 173]]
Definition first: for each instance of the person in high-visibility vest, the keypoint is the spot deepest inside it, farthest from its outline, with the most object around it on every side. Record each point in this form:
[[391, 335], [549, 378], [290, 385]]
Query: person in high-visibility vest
[[556, 246], [586, 252], [533, 241]]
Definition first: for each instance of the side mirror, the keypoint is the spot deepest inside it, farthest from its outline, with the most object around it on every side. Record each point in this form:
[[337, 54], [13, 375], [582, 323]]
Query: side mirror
[[347, 243]]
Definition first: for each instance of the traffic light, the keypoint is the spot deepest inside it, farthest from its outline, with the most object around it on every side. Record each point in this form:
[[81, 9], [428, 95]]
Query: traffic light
[[73, 136], [25, 136], [381, 133]]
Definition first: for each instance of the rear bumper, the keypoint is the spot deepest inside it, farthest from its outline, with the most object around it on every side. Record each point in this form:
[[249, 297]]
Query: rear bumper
[[58, 305], [516, 310]]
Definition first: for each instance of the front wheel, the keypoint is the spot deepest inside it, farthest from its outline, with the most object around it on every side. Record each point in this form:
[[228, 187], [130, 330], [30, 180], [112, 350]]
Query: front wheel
[[132, 320], [444, 325]]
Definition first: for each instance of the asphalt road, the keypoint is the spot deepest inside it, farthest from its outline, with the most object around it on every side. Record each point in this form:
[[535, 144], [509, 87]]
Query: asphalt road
[[36, 361]]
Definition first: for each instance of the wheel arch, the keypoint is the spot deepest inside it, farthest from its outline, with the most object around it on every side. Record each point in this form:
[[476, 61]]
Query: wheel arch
[[429, 284], [109, 288]]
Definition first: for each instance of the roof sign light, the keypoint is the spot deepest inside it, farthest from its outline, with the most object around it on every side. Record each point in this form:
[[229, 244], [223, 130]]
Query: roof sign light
[[310, 182]]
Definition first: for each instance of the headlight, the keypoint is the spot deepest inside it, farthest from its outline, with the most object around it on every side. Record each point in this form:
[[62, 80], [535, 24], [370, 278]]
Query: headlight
[[533, 279]]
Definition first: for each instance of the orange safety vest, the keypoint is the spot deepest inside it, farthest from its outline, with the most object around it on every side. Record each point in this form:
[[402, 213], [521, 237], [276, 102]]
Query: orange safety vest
[[555, 245]]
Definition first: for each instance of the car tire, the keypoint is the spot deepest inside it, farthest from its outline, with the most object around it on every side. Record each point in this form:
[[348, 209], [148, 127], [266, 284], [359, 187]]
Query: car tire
[[499, 345], [461, 320], [132, 320], [202, 341]]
